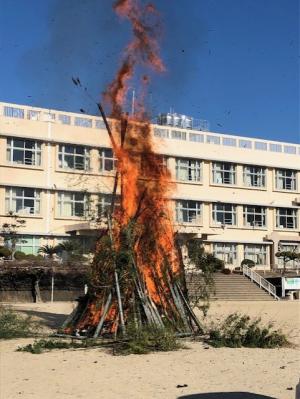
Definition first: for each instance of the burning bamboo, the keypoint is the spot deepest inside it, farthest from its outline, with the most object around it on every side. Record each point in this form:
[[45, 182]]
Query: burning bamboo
[[138, 268]]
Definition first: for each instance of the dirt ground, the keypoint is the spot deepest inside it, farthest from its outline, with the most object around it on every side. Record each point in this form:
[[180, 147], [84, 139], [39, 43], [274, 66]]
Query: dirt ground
[[94, 373]]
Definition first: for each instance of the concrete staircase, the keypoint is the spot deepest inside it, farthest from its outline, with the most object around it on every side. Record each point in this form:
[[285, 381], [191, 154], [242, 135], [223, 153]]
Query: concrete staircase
[[232, 287]]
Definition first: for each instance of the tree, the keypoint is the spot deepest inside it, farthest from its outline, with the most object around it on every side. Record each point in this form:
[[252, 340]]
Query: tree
[[49, 250], [286, 256], [248, 262], [11, 232]]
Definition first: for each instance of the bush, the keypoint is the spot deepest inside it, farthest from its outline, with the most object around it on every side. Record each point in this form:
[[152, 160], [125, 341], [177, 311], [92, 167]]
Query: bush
[[248, 262], [13, 325], [5, 252], [226, 271], [19, 255], [43, 345], [239, 330], [146, 340]]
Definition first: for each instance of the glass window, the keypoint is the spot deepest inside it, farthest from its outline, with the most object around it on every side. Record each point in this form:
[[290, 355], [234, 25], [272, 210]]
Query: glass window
[[245, 143], [289, 248], [255, 216], [72, 204], [64, 119], [73, 157], [289, 149], [23, 152], [13, 112], [33, 115], [225, 252], [229, 141], [212, 139], [83, 122], [99, 123], [285, 179], [188, 211], [104, 203], [162, 133], [107, 160], [224, 214], [223, 173], [198, 138], [259, 145], [188, 169], [22, 200], [275, 147], [254, 176], [178, 135], [257, 253], [286, 218]]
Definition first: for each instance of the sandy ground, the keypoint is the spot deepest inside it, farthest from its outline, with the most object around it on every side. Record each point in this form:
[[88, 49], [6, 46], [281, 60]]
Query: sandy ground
[[94, 373]]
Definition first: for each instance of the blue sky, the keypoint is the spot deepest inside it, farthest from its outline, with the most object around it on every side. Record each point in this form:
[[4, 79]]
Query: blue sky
[[232, 62]]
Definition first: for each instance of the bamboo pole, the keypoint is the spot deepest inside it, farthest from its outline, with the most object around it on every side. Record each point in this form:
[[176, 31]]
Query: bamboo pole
[[101, 321]]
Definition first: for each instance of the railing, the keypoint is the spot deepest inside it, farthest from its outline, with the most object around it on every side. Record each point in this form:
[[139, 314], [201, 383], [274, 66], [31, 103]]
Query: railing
[[260, 281]]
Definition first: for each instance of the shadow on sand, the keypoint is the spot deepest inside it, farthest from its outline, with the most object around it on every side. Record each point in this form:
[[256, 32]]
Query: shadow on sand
[[51, 320], [226, 395]]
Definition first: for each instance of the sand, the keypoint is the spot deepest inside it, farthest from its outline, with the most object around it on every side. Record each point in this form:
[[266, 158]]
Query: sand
[[94, 373]]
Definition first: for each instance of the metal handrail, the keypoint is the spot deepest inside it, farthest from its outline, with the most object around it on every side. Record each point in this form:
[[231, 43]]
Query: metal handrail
[[259, 280]]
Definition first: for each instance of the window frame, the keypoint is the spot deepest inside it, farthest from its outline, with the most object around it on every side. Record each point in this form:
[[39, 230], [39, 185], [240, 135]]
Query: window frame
[[293, 179], [12, 147], [191, 211], [11, 197], [257, 253], [255, 173], [63, 154], [189, 168], [107, 162], [225, 211], [293, 216], [222, 254], [220, 168], [73, 201], [256, 215]]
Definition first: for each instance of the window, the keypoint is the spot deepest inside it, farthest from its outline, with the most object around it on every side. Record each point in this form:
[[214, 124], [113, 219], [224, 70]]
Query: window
[[162, 133], [64, 119], [225, 252], [72, 204], [33, 115], [289, 248], [245, 143], [22, 200], [23, 152], [223, 173], [107, 160], [188, 211], [212, 139], [275, 147], [224, 214], [228, 141], [257, 253], [286, 218], [178, 135], [255, 216], [286, 179], [13, 112], [198, 138], [104, 203], [259, 145], [188, 169], [99, 123], [73, 157], [254, 176], [289, 149], [83, 122], [28, 244]]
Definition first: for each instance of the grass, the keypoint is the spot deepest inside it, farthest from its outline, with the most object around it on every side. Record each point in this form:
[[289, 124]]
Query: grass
[[13, 325], [46, 345], [239, 330]]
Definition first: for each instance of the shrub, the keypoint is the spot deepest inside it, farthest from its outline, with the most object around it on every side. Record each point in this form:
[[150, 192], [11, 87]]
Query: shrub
[[19, 255], [43, 345], [248, 262], [5, 252], [239, 330], [13, 325], [226, 271]]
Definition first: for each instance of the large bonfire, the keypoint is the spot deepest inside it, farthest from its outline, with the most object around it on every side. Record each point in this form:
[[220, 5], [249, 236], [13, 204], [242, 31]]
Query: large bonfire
[[137, 272]]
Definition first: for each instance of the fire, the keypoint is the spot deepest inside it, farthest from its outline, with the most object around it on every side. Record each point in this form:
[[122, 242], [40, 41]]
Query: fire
[[143, 181]]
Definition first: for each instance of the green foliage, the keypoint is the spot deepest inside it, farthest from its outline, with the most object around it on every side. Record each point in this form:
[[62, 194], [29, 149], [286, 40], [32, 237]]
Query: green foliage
[[12, 325], [248, 262], [43, 345], [226, 271], [147, 339], [19, 255], [5, 252], [239, 330], [202, 260], [49, 250]]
